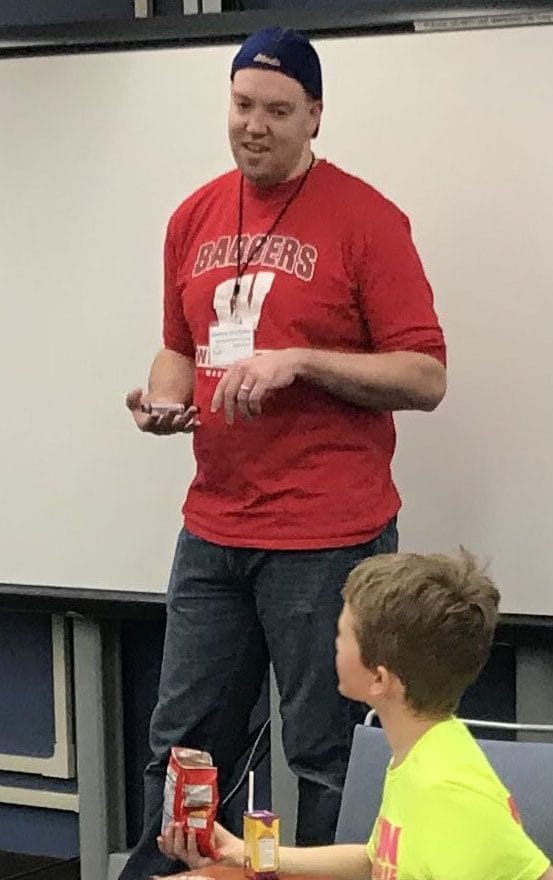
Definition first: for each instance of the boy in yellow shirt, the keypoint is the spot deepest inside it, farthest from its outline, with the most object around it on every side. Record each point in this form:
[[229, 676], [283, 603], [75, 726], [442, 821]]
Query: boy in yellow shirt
[[414, 633]]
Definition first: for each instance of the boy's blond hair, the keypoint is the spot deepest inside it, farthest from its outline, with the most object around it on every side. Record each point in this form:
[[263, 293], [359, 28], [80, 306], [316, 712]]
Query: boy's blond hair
[[428, 619]]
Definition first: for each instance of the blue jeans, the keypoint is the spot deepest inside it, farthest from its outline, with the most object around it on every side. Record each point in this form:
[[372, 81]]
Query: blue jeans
[[230, 611]]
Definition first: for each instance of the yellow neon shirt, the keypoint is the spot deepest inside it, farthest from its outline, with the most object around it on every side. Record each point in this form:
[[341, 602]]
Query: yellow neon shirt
[[446, 816]]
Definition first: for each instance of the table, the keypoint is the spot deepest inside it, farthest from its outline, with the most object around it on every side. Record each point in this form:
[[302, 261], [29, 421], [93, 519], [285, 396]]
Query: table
[[219, 872]]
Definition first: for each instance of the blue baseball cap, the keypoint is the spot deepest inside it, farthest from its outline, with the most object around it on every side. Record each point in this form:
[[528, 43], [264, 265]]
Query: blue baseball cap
[[285, 51]]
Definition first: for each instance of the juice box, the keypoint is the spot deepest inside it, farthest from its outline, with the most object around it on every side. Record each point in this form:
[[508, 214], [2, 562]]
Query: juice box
[[261, 842]]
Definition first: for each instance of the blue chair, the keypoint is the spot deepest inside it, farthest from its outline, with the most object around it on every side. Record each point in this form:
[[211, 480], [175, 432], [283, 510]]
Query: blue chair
[[525, 768]]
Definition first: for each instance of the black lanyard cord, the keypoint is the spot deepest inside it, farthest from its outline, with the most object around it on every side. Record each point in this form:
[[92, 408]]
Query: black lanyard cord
[[240, 269]]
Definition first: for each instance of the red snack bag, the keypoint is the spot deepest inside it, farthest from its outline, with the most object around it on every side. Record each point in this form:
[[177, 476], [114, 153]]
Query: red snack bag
[[191, 797]]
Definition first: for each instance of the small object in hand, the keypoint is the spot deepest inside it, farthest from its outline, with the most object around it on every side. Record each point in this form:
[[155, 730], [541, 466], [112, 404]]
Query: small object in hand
[[191, 796], [162, 409]]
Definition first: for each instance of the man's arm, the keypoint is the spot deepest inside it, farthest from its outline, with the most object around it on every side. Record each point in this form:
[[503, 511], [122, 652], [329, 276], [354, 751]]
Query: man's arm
[[171, 378], [172, 373], [387, 381], [171, 381], [548, 875], [403, 365], [383, 381]]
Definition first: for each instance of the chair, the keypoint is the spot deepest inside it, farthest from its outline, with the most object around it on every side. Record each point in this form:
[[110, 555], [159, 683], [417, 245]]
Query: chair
[[525, 768]]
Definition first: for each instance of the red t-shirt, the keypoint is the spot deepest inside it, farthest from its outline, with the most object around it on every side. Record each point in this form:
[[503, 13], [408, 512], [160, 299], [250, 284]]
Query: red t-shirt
[[339, 273]]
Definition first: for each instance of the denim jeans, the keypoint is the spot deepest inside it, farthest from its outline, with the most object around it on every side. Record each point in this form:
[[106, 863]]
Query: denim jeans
[[230, 611]]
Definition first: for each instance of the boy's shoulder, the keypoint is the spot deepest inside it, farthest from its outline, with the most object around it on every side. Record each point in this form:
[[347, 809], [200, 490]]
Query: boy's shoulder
[[452, 773], [446, 746], [453, 815], [467, 828], [449, 760]]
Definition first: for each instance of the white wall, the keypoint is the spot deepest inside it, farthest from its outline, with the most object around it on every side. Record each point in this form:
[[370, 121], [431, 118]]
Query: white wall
[[95, 152]]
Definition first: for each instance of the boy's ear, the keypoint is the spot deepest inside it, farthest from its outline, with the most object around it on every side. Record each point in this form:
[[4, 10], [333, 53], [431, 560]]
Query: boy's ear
[[381, 682]]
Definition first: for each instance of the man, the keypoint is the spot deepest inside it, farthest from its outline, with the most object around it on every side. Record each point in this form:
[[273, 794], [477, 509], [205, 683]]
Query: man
[[297, 317]]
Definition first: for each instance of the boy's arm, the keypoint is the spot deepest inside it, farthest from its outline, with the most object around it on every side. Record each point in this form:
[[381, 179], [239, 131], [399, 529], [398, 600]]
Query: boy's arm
[[548, 875], [343, 861]]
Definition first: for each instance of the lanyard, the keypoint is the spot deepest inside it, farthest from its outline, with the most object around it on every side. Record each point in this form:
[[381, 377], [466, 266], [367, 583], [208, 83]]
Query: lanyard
[[241, 268]]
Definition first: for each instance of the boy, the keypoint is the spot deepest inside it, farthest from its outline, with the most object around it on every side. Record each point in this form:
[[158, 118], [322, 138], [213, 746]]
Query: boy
[[414, 633]]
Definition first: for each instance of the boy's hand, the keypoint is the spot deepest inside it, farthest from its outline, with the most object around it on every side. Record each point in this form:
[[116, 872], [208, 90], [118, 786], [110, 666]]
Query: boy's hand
[[229, 849]]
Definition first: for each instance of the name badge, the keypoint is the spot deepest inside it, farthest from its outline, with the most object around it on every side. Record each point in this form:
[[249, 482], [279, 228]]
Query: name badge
[[229, 343]]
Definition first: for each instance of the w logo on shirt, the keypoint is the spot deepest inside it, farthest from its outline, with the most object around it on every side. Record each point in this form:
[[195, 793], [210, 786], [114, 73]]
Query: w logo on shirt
[[247, 306], [386, 855]]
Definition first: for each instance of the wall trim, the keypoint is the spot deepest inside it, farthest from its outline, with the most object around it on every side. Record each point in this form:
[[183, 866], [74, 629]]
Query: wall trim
[[35, 797], [229, 27]]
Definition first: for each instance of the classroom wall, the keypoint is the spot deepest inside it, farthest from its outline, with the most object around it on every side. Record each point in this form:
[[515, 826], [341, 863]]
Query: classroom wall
[[99, 148]]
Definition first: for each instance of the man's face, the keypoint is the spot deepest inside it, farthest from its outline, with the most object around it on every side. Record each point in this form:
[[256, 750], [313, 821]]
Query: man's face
[[271, 123]]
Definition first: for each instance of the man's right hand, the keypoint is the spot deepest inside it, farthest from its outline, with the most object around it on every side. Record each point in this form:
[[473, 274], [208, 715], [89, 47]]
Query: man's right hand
[[170, 423]]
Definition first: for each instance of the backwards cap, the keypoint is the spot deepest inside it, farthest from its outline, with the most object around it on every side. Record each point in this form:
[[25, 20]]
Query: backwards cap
[[285, 51]]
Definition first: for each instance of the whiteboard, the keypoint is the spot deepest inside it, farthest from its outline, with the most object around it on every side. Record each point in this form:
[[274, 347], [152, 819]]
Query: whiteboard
[[97, 150]]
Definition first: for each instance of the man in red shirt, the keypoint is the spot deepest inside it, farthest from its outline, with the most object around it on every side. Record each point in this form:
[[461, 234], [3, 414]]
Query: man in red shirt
[[297, 318]]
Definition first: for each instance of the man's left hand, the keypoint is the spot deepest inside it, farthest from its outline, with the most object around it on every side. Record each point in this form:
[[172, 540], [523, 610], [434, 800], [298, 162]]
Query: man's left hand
[[249, 381]]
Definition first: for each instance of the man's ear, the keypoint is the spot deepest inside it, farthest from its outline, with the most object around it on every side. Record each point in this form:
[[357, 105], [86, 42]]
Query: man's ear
[[315, 112]]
